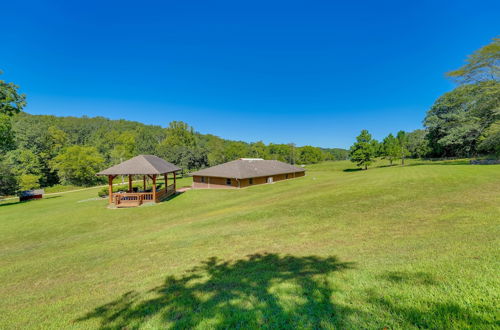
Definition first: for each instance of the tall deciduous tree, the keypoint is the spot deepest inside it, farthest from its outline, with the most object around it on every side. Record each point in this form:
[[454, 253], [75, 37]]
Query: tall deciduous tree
[[362, 152], [8, 182], [11, 102], [180, 147], [6, 134], [482, 65], [29, 181], [459, 118], [418, 145], [78, 165], [490, 140], [310, 155]]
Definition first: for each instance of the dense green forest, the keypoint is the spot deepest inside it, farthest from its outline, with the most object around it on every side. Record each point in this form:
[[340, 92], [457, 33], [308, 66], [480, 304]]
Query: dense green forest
[[464, 122], [39, 150]]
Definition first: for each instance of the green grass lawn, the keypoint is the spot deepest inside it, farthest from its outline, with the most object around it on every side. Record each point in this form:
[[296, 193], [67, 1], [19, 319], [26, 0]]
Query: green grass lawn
[[396, 247]]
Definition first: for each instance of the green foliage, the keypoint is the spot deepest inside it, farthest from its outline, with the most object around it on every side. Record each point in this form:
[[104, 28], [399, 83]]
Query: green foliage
[[258, 150], [335, 154], [310, 155], [6, 134], [29, 181], [124, 147], [482, 65], [418, 144], [363, 151], [458, 119], [288, 153], [390, 148], [8, 182], [490, 140], [11, 102], [403, 152], [23, 162], [180, 147], [78, 165]]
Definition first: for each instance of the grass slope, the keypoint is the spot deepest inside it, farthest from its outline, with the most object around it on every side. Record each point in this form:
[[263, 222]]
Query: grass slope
[[398, 247]]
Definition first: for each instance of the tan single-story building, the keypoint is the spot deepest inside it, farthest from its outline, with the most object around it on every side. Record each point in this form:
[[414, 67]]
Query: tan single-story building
[[245, 172]]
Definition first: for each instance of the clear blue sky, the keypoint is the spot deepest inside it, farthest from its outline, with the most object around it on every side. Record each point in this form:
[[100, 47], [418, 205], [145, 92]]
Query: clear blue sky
[[309, 72]]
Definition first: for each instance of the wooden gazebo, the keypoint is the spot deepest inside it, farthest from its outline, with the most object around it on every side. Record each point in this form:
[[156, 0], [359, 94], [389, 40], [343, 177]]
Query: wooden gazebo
[[145, 166]]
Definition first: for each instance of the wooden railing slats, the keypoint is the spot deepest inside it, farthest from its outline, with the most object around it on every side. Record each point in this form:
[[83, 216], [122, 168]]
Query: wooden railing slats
[[132, 199]]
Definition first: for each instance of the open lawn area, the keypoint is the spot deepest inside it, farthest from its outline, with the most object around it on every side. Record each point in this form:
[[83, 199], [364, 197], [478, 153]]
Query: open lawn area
[[397, 247]]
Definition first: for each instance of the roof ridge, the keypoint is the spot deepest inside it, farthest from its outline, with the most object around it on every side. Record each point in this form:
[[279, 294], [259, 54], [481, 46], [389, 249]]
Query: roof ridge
[[147, 161], [141, 164]]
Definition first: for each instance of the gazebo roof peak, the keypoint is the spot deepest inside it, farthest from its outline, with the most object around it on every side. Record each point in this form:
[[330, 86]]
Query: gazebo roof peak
[[141, 165]]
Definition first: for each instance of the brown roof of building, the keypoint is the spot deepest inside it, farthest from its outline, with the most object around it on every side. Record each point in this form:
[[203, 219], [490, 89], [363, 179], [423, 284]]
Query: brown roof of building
[[248, 168], [142, 164]]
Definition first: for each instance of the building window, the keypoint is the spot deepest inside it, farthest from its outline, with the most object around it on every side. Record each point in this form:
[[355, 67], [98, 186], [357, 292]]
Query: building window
[[203, 179], [250, 181], [228, 182]]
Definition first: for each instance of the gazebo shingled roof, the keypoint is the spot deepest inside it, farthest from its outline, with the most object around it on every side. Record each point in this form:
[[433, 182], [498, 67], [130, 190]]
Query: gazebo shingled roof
[[141, 165]]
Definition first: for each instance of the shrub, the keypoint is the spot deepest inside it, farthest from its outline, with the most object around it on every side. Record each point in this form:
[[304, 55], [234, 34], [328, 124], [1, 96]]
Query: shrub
[[29, 181], [103, 192]]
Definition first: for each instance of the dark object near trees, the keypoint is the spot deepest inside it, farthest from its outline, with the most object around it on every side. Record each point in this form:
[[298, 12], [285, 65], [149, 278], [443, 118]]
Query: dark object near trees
[[31, 194], [485, 161]]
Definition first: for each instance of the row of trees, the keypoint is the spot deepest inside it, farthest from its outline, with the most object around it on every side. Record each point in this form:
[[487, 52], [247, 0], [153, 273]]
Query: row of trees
[[40, 150], [403, 145], [462, 123]]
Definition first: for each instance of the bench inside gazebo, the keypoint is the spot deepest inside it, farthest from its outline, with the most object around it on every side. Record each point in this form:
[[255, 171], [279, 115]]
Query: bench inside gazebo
[[149, 166]]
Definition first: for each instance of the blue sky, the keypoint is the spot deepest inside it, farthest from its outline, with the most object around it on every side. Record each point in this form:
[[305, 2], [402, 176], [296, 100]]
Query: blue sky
[[309, 72]]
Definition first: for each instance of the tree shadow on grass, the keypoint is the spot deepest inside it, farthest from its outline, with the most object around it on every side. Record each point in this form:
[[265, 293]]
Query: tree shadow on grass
[[260, 291], [15, 202], [352, 170], [417, 278], [9, 203]]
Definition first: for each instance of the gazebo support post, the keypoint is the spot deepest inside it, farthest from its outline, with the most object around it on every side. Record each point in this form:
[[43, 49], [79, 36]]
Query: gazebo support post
[[129, 183], [110, 188], [175, 183], [154, 187], [143, 183], [166, 181]]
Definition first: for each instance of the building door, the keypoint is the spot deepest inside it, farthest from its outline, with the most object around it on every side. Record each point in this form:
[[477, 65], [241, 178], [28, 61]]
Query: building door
[[270, 179]]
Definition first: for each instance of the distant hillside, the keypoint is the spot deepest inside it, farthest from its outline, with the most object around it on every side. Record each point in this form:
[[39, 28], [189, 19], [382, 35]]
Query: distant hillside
[[41, 150]]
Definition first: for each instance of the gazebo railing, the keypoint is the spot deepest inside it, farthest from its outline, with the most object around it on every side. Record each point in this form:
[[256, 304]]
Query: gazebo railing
[[132, 199], [164, 193], [137, 198]]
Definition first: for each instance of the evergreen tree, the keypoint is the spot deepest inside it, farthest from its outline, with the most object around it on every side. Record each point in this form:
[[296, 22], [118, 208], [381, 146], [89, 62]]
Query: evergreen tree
[[402, 146], [362, 152], [390, 148]]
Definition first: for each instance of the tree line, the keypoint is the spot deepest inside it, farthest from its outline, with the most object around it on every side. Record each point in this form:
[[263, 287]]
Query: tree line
[[462, 123], [42, 150]]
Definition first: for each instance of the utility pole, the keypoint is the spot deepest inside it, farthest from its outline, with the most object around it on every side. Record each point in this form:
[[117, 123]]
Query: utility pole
[[292, 156]]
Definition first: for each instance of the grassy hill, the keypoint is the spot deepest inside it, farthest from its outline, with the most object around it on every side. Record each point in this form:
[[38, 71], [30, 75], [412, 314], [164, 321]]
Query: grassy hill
[[396, 247]]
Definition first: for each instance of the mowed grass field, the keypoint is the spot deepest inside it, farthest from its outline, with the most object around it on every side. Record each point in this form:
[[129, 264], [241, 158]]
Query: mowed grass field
[[397, 247]]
